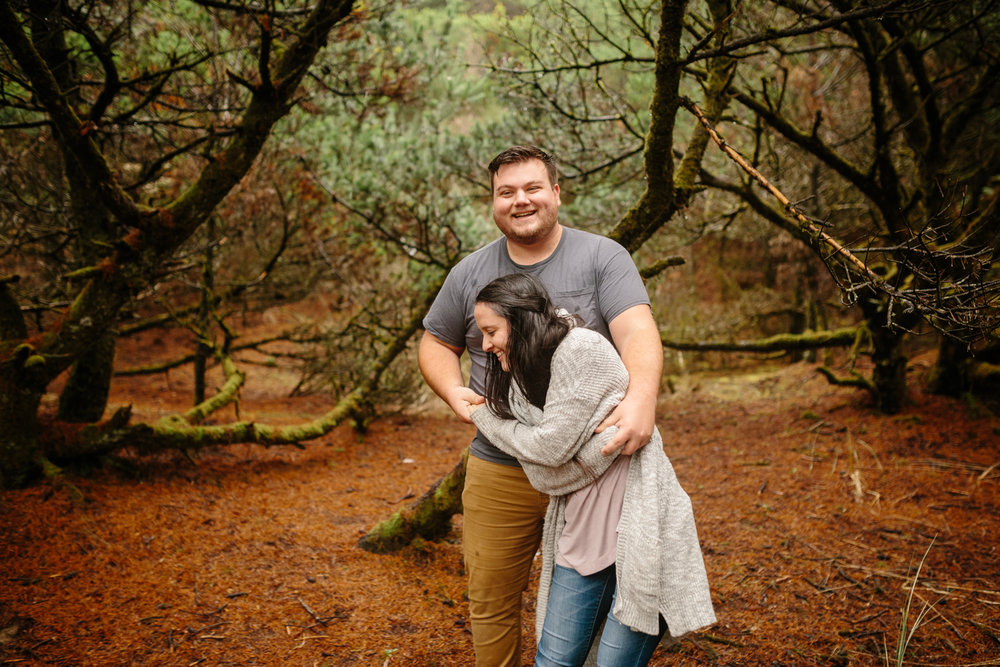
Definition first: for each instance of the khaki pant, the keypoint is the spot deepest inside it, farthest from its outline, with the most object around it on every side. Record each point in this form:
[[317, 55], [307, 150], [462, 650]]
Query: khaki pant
[[502, 528]]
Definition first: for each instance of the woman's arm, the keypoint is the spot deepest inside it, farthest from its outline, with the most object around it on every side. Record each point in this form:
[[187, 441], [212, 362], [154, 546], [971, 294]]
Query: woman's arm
[[588, 379]]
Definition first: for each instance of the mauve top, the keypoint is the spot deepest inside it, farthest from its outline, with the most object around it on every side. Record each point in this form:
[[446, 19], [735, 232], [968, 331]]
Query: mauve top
[[589, 541]]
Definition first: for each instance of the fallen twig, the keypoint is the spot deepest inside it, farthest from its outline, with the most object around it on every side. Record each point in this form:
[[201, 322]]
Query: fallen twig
[[206, 627], [716, 639], [315, 616], [945, 464]]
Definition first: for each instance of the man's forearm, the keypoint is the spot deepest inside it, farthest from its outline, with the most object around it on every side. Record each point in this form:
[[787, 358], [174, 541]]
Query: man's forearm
[[643, 358], [439, 365], [638, 341]]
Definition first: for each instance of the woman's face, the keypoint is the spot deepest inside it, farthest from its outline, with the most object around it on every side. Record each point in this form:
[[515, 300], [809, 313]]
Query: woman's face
[[496, 333]]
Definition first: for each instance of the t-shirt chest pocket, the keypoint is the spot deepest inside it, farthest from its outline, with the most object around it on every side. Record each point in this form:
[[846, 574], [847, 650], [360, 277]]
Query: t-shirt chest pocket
[[582, 302]]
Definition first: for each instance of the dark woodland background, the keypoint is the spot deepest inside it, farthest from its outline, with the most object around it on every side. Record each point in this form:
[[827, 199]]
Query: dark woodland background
[[801, 182]]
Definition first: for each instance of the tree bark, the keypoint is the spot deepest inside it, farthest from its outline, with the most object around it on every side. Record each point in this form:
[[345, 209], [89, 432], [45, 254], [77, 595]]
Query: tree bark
[[428, 517], [984, 378], [889, 373], [18, 434], [20, 396], [950, 374], [957, 371], [85, 395], [809, 340], [657, 204], [20, 393], [12, 325]]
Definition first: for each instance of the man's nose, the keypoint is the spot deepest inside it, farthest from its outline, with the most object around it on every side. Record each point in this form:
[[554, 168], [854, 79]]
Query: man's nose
[[520, 197]]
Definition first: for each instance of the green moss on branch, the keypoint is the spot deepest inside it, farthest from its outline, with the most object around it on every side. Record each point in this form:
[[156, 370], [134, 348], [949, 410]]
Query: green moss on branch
[[429, 517], [809, 340]]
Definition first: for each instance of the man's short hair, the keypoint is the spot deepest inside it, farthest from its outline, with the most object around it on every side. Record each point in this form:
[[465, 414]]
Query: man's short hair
[[519, 154]]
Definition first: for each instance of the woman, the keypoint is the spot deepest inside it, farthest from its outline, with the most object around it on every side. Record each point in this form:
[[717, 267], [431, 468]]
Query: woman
[[619, 545]]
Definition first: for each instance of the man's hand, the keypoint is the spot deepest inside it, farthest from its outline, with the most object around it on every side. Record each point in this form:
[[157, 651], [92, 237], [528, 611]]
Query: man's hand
[[472, 407], [635, 418], [638, 340], [439, 363], [462, 401]]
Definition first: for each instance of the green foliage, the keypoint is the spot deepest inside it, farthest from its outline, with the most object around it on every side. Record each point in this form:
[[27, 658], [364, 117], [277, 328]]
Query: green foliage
[[580, 77], [404, 153], [399, 140], [152, 84]]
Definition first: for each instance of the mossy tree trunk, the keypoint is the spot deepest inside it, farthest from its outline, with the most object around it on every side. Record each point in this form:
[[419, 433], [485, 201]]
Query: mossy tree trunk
[[810, 340], [889, 373], [85, 395], [670, 186], [22, 383], [125, 242], [92, 228], [18, 432], [20, 392], [428, 517], [957, 370], [950, 374]]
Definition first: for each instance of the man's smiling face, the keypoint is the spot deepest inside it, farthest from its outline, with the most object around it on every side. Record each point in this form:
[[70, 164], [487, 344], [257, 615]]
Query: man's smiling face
[[525, 202]]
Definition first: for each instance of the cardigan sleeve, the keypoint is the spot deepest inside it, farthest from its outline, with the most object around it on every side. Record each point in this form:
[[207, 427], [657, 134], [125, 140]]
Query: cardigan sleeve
[[588, 380], [580, 471]]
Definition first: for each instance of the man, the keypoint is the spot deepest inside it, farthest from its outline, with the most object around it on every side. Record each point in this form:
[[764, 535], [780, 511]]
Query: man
[[586, 274]]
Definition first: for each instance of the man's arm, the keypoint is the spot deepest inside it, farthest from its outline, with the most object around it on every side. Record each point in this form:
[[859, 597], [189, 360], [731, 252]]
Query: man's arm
[[441, 368], [637, 338]]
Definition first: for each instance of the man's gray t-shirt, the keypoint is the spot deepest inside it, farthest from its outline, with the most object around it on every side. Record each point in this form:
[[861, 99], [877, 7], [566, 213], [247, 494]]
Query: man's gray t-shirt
[[588, 275]]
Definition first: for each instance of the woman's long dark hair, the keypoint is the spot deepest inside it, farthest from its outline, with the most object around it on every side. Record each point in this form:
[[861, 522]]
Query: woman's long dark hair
[[535, 332]]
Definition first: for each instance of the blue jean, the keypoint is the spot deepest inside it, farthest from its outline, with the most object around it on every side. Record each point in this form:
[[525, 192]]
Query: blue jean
[[577, 606]]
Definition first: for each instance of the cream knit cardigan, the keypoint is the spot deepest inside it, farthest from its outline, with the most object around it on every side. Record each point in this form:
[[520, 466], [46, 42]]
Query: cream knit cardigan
[[659, 562]]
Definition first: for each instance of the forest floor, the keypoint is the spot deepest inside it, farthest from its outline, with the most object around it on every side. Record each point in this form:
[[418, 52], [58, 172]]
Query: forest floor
[[822, 522]]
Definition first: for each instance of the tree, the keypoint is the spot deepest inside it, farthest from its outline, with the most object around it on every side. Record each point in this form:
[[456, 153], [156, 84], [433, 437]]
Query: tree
[[888, 103], [116, 127], [906, 161], [606, 85]]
